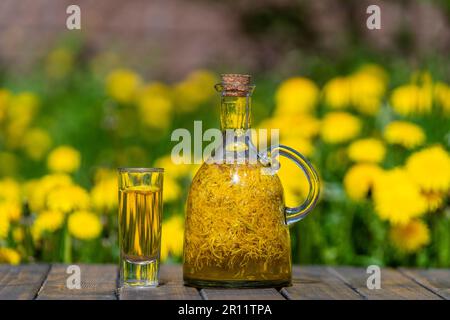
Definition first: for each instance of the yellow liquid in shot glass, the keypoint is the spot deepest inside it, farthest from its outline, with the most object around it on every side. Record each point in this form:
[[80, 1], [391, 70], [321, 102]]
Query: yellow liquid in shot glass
[[140, 215]]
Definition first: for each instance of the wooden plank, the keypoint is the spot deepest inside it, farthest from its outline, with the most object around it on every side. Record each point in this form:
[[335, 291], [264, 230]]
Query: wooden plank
[[241, 294], [98, 282], [171, 288], [394, 285], [311, 283], [436, 280], [21, 282]]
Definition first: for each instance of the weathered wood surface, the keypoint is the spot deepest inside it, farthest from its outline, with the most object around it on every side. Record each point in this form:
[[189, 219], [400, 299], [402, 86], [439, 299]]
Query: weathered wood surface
[[21, 282], [394, 285], [436, 280], [314, 283], [99, 282]]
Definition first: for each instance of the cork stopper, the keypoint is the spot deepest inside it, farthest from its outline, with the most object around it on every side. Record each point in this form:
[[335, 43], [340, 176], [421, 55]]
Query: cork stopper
[[236, 85]]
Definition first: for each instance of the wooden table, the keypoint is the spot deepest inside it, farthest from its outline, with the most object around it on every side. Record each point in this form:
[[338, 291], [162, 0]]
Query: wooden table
[[99, 282]]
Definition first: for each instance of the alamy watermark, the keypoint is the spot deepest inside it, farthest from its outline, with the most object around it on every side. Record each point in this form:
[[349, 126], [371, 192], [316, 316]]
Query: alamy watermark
[[74, 279], [231, 146], [374, 280], [73, 21], [373, 22]]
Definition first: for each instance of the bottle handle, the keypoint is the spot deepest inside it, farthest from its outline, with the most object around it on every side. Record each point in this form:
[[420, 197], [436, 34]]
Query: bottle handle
[[297, 213]]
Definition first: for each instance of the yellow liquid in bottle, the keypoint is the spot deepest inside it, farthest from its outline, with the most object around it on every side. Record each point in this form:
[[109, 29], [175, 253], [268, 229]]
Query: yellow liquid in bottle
[[235, 228]]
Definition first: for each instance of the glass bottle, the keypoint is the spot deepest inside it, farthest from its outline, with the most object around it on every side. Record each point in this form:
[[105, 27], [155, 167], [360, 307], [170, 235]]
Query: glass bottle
[[236, 230]]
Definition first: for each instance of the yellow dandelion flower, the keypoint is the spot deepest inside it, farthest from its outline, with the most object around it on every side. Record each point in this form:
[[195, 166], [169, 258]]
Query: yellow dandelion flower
[[104, 194], [303, 125], [376, 71], [36, 191], [363, 90], [302, 145], [64, 159], [36, 143], [171, 190], [10, 190], [294, 183], [21, 111], [441, 96], [23, 107], [172, 237], [368, 86], [412, 99], [55, 180], [434, 200], [155, 105], [430, 169], [122, 85], [12, 209], [296, 96], [338, 127], [191, 92], [406, 134], [155, 111], [367, 150], [59, 63], [4, 224], [84, 225], [10, 256], [46, 221], [202, 78], [36, 200], [18, 234], [172, 169], [397, 197], [410, 237], [360, 180], [337, 93], [68, 198]]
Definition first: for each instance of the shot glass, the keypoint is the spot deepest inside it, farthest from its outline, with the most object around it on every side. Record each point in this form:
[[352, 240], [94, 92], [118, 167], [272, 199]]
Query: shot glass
[[139, 220]]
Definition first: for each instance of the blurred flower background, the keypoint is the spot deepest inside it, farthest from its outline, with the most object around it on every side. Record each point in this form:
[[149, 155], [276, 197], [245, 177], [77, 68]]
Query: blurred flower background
[[375, 122]]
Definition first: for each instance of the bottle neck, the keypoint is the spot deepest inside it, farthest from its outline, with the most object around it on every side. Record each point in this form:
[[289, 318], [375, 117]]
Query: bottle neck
[[235, 112]]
